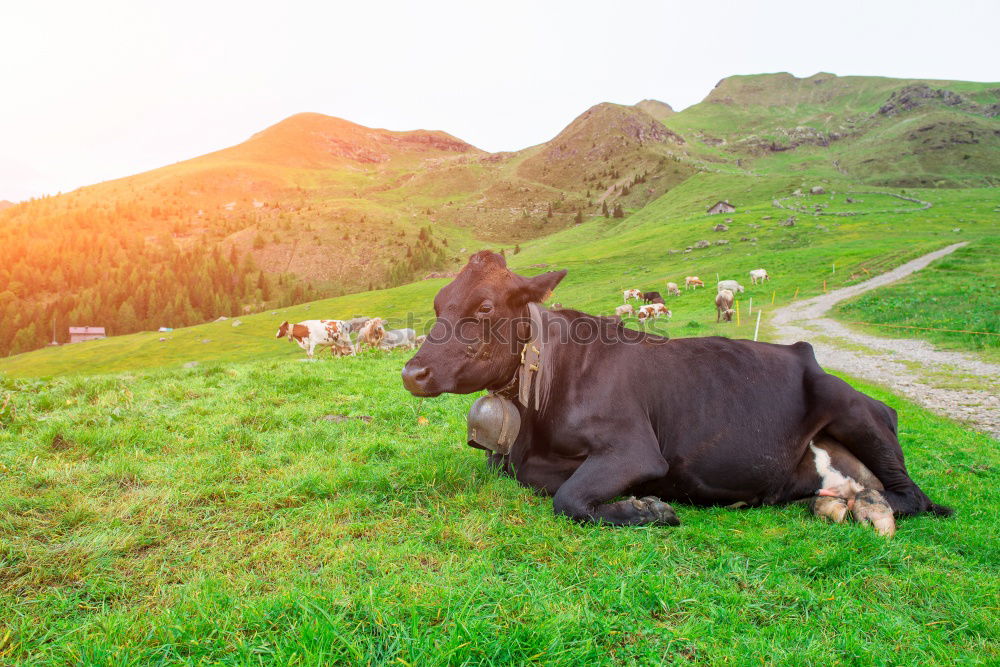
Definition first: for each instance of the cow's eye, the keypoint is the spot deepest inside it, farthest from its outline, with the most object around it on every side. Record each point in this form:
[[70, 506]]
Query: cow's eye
[[485, 308]]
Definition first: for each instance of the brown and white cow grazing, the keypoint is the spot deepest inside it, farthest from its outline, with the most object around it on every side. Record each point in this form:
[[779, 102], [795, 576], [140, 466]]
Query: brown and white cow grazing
[[672, 289], [625, 311], [606, 412], [371, 334], [693, 282], [632, 294], [311, 334], [724, 305], [652, 311]]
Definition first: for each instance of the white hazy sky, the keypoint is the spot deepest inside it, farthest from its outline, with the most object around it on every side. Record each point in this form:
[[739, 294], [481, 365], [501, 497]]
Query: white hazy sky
[[97, 90]]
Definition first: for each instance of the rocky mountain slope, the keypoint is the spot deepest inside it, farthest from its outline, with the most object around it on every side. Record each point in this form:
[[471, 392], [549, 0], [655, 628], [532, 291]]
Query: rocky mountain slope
[[894, 132], [317, 206]]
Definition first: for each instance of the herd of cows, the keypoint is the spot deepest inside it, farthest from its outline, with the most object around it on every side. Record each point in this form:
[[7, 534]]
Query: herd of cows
[[371, 332], [656, 307], [336, 334]]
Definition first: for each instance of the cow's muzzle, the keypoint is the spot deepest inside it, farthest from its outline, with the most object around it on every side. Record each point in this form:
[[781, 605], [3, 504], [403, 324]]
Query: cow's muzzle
[[418, 380]]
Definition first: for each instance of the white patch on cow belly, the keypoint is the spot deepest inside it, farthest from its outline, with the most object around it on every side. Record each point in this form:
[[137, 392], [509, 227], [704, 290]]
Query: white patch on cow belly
[[830, 476]]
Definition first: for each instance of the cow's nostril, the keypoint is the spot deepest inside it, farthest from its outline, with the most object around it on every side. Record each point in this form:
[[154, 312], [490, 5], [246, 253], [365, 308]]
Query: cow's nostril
[[415, 378]]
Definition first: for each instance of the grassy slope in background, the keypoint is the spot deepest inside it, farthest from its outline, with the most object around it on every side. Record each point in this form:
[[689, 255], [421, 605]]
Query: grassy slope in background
[[960, 292], [603, 257]]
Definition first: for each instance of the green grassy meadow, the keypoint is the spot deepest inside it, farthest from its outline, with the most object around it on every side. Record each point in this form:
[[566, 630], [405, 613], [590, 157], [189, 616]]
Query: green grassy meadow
[[958, 292], [253, 509], [252, 513], [604, 256]]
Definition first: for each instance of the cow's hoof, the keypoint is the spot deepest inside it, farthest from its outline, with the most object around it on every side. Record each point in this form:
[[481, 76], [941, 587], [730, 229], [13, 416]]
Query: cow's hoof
[[828, 507], [654, 510], [871, 507]]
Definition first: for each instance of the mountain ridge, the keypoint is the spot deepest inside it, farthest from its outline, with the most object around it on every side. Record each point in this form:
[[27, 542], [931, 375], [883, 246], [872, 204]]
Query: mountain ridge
[[316, 205]]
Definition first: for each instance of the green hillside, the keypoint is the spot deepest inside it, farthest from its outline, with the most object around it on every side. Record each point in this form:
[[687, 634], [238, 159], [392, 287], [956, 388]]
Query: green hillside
[[317, 206], [895, 132], [604, 256], [952, 296], [312, 206]]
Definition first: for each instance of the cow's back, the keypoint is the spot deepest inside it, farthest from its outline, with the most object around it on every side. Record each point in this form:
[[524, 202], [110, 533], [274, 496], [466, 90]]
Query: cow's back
[[727, 414], [747, 403]]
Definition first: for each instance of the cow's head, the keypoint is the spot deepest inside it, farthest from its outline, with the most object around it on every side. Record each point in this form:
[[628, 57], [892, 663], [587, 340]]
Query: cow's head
[[283, 329], [373, 331], [482, 320]]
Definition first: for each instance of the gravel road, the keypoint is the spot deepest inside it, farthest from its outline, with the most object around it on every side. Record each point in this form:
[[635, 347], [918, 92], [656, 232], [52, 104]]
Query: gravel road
[[913, 368]]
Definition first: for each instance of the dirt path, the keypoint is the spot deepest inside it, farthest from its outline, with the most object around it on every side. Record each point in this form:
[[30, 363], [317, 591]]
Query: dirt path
[[913, 368]]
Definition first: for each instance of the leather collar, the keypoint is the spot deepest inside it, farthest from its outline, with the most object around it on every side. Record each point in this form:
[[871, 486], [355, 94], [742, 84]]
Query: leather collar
[[530, 367]]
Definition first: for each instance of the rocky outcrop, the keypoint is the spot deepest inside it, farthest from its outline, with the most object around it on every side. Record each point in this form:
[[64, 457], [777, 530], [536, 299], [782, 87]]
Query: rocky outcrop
[[919, 95], [786, 139]]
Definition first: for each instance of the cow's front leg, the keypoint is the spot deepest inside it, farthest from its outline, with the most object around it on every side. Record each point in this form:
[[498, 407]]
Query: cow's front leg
[[602, 477]]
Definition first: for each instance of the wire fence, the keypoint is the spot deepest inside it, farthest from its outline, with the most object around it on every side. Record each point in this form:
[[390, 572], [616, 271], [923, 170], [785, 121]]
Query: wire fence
[[907, 326]]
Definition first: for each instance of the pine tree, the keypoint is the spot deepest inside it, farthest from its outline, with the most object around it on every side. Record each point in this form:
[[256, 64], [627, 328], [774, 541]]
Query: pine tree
[[24, 340], [618, 213], [579, 217], [126, 322], [604, 208]]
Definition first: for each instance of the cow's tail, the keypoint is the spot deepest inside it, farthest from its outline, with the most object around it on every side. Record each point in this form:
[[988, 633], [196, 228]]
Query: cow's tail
[[940, 510]]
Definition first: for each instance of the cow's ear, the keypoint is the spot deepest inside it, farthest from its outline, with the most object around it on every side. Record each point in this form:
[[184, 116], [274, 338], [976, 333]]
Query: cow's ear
[[537, 289]]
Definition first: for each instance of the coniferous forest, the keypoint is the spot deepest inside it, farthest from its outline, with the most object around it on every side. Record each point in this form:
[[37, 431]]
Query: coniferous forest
[[91, 270]]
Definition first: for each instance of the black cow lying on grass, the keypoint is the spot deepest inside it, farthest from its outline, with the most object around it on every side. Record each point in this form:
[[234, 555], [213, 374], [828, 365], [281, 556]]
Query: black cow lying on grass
[[606, 412]]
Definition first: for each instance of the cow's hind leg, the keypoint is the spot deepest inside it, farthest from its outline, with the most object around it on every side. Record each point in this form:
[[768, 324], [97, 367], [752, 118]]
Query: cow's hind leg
[[834, 509], [584, 496], [867, 428], [844, 487]]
